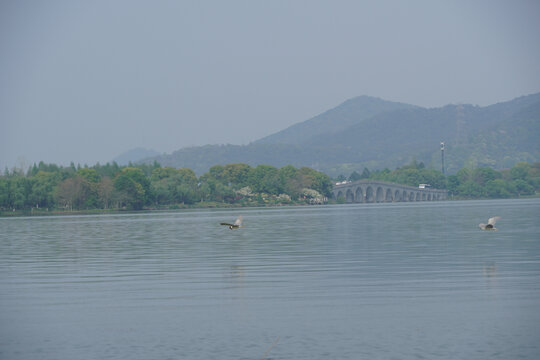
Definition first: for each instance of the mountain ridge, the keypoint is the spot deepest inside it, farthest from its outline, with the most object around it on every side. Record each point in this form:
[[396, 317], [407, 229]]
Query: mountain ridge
[[375, 133], [134, 155], [350, 112]]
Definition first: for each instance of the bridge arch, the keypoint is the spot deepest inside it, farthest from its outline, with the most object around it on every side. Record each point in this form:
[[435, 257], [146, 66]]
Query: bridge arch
[[397, 196], [349, 196], [388, 197], [404, 196], [370, 197], [417, 198], [359, 196], [379, 197]]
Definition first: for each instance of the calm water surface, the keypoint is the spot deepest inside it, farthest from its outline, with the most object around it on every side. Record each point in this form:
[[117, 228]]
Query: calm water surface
[[366, 281]]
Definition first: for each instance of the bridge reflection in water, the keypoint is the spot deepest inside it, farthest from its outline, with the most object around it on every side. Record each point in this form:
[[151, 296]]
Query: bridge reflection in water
[[368, 191]]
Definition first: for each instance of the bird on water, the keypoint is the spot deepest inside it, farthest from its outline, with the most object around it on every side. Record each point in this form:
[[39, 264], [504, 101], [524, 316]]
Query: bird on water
[[491, 224], [237, 224]]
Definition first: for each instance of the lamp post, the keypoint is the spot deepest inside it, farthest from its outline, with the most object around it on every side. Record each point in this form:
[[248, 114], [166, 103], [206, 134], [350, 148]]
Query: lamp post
[[442, 158]]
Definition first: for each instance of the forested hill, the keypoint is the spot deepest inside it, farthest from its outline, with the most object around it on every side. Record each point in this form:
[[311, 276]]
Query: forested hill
[[134, 155], [373, 133], [351, 112]]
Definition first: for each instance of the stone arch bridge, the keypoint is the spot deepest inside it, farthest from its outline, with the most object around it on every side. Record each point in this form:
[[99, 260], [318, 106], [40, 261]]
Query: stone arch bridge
[[368, 191]]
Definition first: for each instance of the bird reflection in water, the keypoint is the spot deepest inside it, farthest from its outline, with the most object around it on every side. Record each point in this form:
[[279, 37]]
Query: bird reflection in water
[[490, 270], [235, 276]]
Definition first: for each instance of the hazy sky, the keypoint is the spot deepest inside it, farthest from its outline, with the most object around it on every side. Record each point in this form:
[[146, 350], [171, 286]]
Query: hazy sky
[[84, 81]]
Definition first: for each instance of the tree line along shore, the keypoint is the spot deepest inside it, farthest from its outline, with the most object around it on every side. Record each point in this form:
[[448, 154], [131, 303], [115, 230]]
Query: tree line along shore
[[49, 188]]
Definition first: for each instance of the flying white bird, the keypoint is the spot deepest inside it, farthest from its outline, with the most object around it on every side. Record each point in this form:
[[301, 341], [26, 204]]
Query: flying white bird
[[491, 224], [237, 224]]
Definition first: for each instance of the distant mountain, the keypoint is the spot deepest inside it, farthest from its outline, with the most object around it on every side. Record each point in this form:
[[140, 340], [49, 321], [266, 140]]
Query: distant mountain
[[352, 112], [135, 155], [374, 133]]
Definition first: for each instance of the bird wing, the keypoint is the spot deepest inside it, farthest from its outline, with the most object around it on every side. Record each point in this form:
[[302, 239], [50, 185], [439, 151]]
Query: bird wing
[[238, 221], [227, 224], [493, 220], [482, 226]]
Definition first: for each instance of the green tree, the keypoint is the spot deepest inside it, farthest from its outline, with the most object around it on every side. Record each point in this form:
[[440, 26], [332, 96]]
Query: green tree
[[188, 177], [213, 190], [355, 176], [134, 184], [106, 191], [109, 169], [366, 174], [433, 177], [217, 173], [453, 184], [464, 175], [498, 188], [409, 176], [4, 193], [265, 179], [43, 186], [171, 186], [522, 187], [534, 176], [291, 181], [90, 175], [89, 188], [520, 171], [69, 193], [236, 175], [485, 174], [470, 189], [316, 180], [20, 190]]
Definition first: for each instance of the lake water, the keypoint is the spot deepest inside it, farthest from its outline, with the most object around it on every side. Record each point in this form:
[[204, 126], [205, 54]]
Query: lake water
[[359, 281]]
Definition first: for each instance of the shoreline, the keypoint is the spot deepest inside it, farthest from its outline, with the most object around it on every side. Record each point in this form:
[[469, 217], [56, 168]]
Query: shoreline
[[202, 205]]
